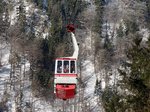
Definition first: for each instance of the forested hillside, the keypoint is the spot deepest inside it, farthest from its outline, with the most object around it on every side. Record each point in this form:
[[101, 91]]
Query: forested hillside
[[114, 50]]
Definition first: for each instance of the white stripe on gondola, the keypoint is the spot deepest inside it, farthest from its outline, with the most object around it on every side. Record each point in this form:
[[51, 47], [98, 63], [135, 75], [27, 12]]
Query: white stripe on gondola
[[65, 80]]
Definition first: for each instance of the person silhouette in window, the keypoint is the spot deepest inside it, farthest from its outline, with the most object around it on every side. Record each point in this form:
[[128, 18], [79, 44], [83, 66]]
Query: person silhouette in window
[[72, 69], [66, 69], [59, 69]]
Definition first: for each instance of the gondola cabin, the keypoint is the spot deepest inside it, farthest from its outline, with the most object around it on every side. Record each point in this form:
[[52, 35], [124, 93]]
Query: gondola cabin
[[65, 81]]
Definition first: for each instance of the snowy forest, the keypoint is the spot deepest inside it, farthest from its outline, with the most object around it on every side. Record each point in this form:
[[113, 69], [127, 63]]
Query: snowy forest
[[113, 62]]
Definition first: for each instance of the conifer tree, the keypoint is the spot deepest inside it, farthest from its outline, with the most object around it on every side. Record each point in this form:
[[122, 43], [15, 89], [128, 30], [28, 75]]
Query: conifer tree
[[137, 81]]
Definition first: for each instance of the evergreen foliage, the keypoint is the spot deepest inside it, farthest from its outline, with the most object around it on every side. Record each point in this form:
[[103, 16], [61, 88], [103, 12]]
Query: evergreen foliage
[[97, 28], [62, 13], [98, 89], [1, 7], [138, 80], [131, 27], [135, 82], [112, 101], [38, 3], [44, 77], [21, 17], [120, 32], [4, 20], [99, 18], [148, 13]]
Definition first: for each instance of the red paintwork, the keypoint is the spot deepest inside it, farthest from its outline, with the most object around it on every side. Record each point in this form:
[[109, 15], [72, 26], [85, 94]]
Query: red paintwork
[[71, 28], [65, 59], [65, 91]]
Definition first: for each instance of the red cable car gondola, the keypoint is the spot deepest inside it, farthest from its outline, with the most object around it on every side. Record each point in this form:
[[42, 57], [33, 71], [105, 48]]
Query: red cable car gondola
[[65, 82]]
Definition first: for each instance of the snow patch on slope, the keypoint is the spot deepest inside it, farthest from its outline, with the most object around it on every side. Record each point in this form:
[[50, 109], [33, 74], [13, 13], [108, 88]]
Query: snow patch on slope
[[41, 22], [4, 69], [89, 77], [39, 104], [145, 32]]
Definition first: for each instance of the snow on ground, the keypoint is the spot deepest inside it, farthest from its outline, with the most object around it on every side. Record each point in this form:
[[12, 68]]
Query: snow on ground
[[5, 69], [88, 67], [13, 17], [145, 32], [40, 105], [41, 30], [88, 72], [13, 12], [45, 35], [103, 84]]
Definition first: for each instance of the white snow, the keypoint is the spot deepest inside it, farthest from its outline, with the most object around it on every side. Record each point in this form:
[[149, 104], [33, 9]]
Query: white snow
[[30, 9], [145, 32], [103, 84], [89, 77], [5, 69], [5, 58], [88, 74], [13, 13], [45, 35], [39, 104]]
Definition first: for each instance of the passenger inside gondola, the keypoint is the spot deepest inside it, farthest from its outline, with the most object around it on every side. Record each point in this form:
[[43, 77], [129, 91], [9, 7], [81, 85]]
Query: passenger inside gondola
[[72, 67], [59, 67], [66, 66]]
